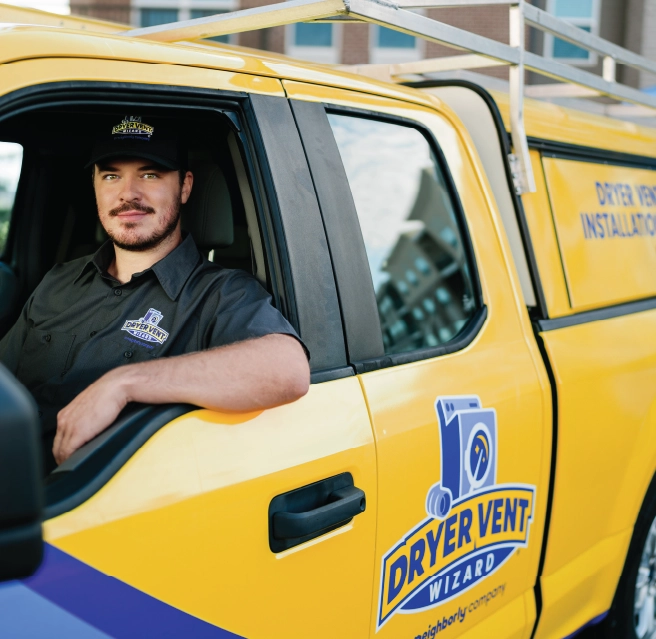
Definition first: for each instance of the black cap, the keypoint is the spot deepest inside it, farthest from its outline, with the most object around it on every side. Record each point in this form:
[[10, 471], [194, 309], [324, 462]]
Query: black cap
[[132, 137]]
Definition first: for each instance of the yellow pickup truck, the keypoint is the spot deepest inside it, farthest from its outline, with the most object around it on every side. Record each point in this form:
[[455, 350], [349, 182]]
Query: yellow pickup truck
[[477, 452]]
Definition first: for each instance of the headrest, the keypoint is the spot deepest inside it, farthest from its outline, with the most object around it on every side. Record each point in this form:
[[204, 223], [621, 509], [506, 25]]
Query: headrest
[[207, 215]]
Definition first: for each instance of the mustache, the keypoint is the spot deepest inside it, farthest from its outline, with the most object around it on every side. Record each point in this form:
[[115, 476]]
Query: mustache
[[131, 206]]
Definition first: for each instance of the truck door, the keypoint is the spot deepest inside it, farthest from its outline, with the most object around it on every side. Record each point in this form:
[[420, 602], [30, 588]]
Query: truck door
[[173, 532], [442, 344]]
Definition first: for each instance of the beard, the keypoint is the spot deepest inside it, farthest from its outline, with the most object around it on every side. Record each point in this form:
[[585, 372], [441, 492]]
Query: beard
[[144, 243]]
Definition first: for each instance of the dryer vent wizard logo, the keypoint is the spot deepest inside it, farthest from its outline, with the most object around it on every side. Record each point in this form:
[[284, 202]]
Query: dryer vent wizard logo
[[473, 526], [146, 328]]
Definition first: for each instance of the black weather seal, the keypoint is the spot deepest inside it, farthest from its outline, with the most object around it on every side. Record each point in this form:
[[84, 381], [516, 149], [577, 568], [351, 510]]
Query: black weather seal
[[504, 141], [462, 340], [565, 151], [355, 290], [608, 312], [330, 374], [537, 587], [86, 471]]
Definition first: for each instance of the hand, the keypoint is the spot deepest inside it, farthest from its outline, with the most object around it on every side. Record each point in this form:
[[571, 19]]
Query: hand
[[93, 410]]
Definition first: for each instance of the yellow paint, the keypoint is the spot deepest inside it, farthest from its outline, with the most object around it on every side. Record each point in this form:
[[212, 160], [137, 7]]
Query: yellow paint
[[606, 457], [185, 520], [23, 74], [545, 243], [605, 218], [583, 589], [553, 122]]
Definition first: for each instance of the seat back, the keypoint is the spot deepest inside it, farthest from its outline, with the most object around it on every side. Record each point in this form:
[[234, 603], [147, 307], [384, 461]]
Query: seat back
[[208, 215]]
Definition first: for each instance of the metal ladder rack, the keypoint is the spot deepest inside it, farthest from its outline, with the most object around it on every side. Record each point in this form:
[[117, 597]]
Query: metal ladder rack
[[479, 50]]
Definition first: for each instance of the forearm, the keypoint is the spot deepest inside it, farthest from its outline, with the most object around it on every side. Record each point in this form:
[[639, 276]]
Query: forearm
[[251, 375]]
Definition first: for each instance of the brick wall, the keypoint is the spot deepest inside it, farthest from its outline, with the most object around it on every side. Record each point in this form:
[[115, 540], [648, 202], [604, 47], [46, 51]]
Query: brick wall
[[112, 10], [648, 41], [267, 39], [491, 22], [355, 44]]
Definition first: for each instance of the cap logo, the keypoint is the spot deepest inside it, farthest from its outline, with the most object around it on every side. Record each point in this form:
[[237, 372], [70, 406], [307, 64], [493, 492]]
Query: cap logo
[[132, 128]]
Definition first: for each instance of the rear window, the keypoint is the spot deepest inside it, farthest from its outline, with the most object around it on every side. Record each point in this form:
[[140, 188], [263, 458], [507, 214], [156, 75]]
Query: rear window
[[11, 159], [411, 233]]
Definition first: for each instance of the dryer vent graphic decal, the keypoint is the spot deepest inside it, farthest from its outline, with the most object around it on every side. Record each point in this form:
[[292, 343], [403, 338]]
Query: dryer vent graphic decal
[[473, 526]]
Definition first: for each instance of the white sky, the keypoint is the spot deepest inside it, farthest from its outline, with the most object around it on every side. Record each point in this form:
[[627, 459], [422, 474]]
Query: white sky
[[55, 6]]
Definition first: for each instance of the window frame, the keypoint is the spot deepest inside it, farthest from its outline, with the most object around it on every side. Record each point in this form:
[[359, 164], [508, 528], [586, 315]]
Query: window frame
[[353, 266], [593, 22]]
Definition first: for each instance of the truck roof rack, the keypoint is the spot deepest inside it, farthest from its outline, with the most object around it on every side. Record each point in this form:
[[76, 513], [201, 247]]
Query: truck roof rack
[[479, 50]]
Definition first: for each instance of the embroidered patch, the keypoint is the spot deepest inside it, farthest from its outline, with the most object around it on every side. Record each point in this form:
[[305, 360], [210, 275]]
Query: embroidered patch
[[146, 328], [131, 127]]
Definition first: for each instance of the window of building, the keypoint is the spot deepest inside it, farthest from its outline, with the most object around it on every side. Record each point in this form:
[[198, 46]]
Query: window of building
[[11, 160], [150, 13], [390, 46], [582, 13], [204, 13], [314, 41], [420, 273], [153, 17]]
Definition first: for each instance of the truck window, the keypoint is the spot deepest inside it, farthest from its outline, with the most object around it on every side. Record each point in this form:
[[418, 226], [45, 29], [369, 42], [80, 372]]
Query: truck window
[[11, 159], [411, 233]]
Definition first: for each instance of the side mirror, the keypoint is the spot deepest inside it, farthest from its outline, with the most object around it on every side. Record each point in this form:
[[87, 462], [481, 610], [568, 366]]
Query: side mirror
[[21, 541]]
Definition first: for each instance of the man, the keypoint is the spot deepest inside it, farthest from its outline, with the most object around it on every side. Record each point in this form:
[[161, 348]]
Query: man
[[146, 298]]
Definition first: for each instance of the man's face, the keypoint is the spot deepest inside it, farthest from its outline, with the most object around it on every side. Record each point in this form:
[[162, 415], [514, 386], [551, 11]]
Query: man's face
[[139, 201]]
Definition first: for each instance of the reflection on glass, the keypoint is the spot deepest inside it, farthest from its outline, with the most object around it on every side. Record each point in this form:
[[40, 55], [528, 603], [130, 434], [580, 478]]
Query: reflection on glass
[[11, 158], [411, 236]]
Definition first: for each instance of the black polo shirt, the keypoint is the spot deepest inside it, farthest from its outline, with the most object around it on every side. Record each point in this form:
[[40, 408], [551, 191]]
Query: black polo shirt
[[80, 322]]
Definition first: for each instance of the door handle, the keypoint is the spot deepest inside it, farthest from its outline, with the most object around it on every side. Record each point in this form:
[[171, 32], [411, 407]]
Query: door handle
[[344, 504], [313, 510]]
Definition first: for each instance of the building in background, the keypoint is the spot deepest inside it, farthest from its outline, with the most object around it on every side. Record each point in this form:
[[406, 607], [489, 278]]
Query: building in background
[[627, 23]]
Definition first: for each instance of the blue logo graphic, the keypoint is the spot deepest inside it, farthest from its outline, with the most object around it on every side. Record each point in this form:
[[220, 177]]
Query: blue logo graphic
[[468, 434], [146, 328], [474, 525]]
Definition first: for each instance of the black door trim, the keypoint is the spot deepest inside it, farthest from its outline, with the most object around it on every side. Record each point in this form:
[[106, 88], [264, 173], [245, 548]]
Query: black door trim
[[343, 233], [566, 151], [299, 229], [596, 315]]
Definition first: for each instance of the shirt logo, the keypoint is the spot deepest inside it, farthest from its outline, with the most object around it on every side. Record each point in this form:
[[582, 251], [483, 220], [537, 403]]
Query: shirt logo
[[146, 327], [132, 127], [474, 524]]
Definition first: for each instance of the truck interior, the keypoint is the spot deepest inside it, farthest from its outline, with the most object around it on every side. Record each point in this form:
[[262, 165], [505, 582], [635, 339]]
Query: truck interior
[[48, 216], [54, 196]]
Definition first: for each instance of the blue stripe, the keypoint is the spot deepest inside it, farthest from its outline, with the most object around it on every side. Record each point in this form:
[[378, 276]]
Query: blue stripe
[[26, 615], [593, 622], [112, 606]]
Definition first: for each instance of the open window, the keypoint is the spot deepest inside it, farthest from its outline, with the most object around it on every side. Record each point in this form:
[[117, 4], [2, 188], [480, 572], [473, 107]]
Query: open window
[[53, 220]]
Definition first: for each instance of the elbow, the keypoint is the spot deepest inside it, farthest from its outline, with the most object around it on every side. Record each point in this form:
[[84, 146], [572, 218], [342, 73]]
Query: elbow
[[298, 384], [296, 379]]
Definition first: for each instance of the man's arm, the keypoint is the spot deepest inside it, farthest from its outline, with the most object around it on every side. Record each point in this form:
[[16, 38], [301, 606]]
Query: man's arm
[[252, 375]]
